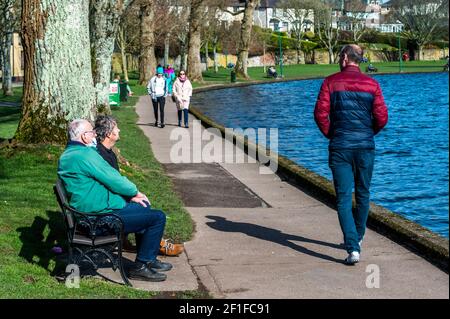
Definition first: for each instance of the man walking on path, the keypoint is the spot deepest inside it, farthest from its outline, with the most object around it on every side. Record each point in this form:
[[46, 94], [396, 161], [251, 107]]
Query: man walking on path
[[157, 89], [349, 111]]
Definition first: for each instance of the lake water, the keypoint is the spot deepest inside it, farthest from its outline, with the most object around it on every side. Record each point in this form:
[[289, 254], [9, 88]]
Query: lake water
[[411, 175]]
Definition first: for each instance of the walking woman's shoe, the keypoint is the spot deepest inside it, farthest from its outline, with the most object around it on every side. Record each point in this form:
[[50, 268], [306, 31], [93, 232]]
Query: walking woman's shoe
[[169, 249], [352, 258]]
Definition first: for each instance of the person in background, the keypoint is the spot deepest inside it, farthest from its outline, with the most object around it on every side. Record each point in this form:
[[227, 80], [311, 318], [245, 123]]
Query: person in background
[[182, 91], [93, 186], [170, 76], [157, 89], [272, 72], [107, 136], [350, 111]]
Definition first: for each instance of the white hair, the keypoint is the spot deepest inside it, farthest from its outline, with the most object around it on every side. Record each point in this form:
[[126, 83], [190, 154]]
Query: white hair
[[76, 128]]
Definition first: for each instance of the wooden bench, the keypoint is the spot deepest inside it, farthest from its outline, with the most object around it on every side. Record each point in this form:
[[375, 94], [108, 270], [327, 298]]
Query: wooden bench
[[91, 235]]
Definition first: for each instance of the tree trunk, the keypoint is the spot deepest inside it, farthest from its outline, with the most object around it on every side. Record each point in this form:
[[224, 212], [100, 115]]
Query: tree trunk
[[6, 39], [330, 55], [194, 69], [104, 18], [183, 56], [6, 65], [166, 48], [206, 53], [246, 31], [58, 85], [419, 52], [216, 64], [147, 59], [122, 45]]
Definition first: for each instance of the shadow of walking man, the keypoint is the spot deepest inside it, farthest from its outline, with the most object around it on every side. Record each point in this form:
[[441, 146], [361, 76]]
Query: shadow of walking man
[[273, 235]]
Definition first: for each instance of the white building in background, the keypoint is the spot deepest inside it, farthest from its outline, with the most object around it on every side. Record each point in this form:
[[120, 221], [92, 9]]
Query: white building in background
[[266, 15], [373, 10]]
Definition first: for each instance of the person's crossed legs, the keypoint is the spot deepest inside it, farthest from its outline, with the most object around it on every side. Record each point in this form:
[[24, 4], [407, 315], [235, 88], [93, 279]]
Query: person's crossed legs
[[150, 224]]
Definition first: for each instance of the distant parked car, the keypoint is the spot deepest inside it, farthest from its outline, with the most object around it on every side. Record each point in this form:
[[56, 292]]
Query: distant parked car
[[230, 65]]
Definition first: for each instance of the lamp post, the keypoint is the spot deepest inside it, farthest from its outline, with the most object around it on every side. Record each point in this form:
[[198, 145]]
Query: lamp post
[[399, 53], [277, 28]]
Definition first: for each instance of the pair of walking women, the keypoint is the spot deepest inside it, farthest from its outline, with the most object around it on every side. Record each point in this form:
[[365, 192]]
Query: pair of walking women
[[181, 90]]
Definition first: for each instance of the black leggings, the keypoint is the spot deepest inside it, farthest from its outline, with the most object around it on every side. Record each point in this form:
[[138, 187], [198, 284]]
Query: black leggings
[[161, 100]]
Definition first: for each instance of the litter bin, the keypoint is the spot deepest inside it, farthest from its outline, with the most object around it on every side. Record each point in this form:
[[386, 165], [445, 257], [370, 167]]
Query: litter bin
[[123, 89], [114, 94], [233, 76]]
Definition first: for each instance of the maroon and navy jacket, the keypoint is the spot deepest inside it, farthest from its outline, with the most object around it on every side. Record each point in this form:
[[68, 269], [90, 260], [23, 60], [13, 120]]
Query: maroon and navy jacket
[[350, 109]]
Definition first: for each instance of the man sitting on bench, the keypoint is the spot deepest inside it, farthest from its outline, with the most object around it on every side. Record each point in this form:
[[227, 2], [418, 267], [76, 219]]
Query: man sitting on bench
[[94, 186], [272, 72]]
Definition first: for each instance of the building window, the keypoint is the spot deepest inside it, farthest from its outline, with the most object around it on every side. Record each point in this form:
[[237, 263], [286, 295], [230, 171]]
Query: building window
[[373, 20], [274, 12]]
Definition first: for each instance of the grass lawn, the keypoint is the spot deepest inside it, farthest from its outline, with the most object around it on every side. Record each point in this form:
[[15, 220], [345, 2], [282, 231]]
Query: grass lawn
[[31, 224]]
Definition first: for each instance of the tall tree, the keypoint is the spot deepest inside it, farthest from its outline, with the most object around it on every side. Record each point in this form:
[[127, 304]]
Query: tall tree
[[328, 34], [147, 58], [58, 84], [197, 12], [421, 19], [8, 24], [104, 19], [298, 13], [245, 35], [127, 39], [355, 16]]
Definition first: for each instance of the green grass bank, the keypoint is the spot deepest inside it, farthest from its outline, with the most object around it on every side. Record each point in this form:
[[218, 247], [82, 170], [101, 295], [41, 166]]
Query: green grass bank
[[31, 224]]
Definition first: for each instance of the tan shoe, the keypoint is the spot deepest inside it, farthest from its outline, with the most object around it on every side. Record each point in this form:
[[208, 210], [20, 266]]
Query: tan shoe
[[169, 249]]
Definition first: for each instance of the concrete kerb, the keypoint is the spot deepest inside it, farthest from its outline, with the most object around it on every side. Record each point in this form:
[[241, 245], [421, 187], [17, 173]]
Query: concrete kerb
[[413, 236]]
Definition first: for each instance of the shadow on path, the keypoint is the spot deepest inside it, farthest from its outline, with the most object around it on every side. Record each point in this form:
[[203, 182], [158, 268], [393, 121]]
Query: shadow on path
[[273, 235]]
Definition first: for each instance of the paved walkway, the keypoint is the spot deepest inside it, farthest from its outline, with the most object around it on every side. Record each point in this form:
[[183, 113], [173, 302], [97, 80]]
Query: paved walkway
[[270, 240]]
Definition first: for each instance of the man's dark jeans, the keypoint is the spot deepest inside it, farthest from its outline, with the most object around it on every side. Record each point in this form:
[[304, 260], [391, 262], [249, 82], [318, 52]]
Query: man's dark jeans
[[149, 223], [350, 166], [161, 101]]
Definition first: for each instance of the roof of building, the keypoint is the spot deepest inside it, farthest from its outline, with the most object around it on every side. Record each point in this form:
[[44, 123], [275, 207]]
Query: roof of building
[[262, 4]]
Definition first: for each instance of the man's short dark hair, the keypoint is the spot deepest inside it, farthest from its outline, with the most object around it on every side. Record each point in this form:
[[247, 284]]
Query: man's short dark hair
[[354, 53], [104, 125]]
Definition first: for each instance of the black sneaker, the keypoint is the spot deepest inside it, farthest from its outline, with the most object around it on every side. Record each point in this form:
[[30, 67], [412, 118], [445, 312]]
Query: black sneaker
[[162, 125], [159, 265], [142, 272], [156, 123]]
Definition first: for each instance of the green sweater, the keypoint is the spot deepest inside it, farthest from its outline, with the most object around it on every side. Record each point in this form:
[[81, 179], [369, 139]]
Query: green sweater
[[93, 186]]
